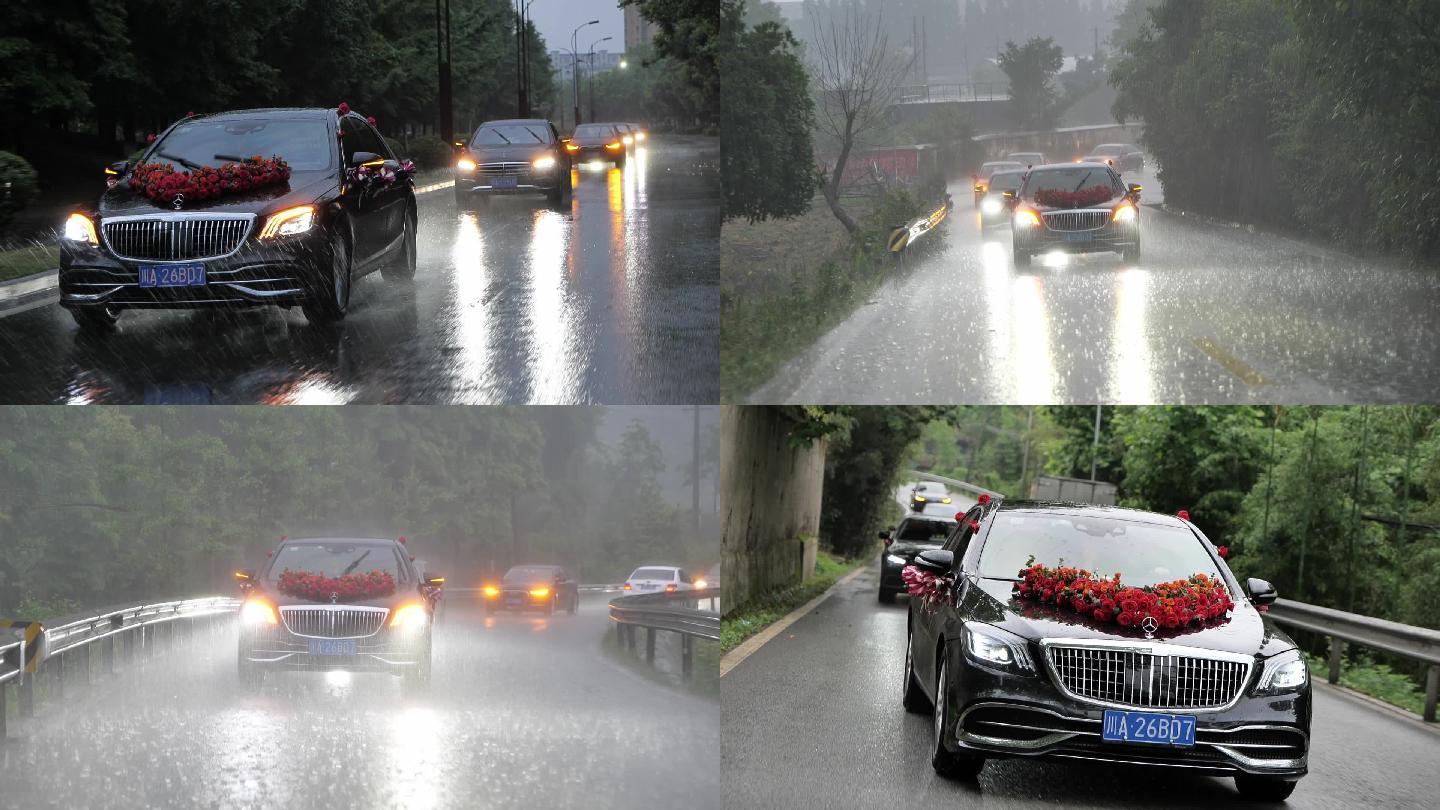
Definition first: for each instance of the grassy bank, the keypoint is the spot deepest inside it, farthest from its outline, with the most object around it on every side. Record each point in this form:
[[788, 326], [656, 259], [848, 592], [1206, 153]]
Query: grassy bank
[[784, 283], [28, 260], [765, 611], [1376, 680]]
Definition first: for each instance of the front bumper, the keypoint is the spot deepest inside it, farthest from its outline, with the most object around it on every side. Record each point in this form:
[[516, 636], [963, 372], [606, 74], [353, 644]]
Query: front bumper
[[1027, 716], [1113, 237], [389, 650], [283, 271], [518, 601], [589, 153], [526, 182]]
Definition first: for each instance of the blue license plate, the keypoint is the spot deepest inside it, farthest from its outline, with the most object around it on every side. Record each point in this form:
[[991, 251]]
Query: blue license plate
[[506, 182], [172, 275], [1149, 727], [332, 646], [1083, 236]]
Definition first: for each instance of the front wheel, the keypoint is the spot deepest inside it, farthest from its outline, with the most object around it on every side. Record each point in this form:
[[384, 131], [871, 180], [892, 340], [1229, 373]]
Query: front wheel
[[402, 266], [1264, 788], [96, 319], [560, 196], [912, 697], [1131, 254], [251, 675], [574, 604], [329, 297], [417, 678], [1022, 257], [949, 764], [887, 596]]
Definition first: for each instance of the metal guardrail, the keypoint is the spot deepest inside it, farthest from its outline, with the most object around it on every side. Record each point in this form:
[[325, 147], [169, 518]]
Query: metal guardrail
[[73, 638], [953, 91], [1418, 643], [691, 614]]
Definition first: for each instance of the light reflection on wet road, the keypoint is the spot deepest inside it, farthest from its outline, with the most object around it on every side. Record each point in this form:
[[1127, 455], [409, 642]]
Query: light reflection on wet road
[[524, 710], [1210, 314], [614, 301]]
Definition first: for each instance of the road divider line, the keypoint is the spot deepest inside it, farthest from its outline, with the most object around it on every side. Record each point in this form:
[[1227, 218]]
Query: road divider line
[[749, 646], [434, 187], [1232, 364]]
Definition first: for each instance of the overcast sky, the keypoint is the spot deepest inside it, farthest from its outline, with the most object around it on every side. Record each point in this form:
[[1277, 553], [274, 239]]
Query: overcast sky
[[556, 19]]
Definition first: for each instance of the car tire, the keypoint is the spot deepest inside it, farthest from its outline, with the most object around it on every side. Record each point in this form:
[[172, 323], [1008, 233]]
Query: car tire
[[550, 607], [948, 764], [887, 596], [912, 697], [1264, 788], [96, 319], [1022, 257], [417, 678], [463, 199], [1131, 254], [251, 675], [560, 196], [402, 268], [574, 604], [329, 298]]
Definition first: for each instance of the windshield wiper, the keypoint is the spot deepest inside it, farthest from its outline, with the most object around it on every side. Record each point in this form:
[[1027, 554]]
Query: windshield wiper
[[182, 161], [1082, 181], [537, 138], [501, 136], [230, 158], [351, 566]]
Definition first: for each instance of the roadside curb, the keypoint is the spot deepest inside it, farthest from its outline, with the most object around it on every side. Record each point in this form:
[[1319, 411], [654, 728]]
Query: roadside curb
[[749, 646], [22, 294], [1378, 704]]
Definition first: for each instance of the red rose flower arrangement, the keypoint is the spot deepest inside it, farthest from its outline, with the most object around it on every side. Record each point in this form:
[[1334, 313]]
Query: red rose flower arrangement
[[349, 588], [930, 589], [1084, 198], [160, 181], [1192, 602]]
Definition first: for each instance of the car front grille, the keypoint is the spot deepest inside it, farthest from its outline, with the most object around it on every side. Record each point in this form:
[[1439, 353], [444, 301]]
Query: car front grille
[[332, 622], [1147, 680], [176, 238], [1075, 220], [492, 169]]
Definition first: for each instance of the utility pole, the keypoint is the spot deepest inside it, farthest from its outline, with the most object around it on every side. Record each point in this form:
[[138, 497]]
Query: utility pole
[[575, 64], [1095, 446], [520, 92], [1355, 510], [442, 61]]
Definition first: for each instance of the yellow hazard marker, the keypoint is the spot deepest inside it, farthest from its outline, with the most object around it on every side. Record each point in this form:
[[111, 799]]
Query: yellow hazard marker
[[899, 238], [30, 632]]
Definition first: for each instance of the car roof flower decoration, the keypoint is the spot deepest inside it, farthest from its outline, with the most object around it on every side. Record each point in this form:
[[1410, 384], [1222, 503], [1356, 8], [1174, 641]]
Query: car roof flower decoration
[[1198, 601]]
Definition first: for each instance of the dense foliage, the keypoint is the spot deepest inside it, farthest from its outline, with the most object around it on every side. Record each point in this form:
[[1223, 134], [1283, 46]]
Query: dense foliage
[[1289, 112], [18, 185], [687, 34], [1031, 68], [107, 505]]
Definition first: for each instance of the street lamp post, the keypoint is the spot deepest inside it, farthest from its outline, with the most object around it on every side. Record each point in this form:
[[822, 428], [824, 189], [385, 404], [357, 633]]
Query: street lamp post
[[592, 73], [442, 60], [575, 65]]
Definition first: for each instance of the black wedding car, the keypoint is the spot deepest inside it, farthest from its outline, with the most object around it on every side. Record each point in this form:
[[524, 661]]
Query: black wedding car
[[914, 534], [1003, 676], [329, 630], [1109, 222], [517, 156], [546, 588], [303, 242]]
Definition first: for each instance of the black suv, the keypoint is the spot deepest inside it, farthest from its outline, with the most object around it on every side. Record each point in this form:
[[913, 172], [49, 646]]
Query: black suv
[[915, 534], [1004, 671], [519, 156], [314, 606], [546, 588], [298, 242], [1074, 208]]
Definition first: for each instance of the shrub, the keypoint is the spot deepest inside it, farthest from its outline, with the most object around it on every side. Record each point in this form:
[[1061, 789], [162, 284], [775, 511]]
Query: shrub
[[19, 175], [428, 152]]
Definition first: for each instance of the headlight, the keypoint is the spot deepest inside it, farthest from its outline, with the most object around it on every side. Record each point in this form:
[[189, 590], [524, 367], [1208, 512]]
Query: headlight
[[894, 559], [919, 498], [627, 139], [990, 206], [257, 612], [491, 591], [539, 593], [544, 162], [1124, 213], [289, 222], [639, 136], [996, 649], [1285, 672], [571, 147], [1025, 218], [79, 228], [944, 500], [465, 165], [701, 584], [615, 145], [410, 617]]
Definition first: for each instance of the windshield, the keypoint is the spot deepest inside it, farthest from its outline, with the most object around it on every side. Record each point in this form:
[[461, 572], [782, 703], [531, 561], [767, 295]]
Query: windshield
[[1142, 553], [594, 131], [503, 134], [991, 168], [653, 573], [925, 531], [1070, 180], [529, 572], [1006, 181], [305, 144], [1028, 157], [1108, 149], [336, 560]]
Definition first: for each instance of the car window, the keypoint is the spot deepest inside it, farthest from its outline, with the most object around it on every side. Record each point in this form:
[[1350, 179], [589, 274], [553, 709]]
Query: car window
[[359, 137], [1142, 553], [305, 144], [508, 134], [653, 573], [594, 131], [932, 531], [336, 559], [529, 572], [961, 536], [1006, 181], [684, 577]]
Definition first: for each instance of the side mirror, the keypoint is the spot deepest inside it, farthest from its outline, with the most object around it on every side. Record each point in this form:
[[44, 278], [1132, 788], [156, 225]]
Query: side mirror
[[885, 535], [936, 561], [434, 580], [246, 579], [460, 144], [1261, 592], [360, 158], [117, 169], [1134, 189]]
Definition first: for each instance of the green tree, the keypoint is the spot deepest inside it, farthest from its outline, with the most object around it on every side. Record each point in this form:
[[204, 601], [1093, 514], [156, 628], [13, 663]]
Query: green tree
[[688, 31], [1031, 69]]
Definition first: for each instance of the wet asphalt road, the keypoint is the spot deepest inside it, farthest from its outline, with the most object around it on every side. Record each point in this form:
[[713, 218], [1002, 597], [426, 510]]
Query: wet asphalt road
[[1211, 314], [813, 719], [614, 302], [523, 711]]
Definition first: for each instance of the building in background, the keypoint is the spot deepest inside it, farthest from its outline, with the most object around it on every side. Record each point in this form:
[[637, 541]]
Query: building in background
[[637, 28], [604, 61]]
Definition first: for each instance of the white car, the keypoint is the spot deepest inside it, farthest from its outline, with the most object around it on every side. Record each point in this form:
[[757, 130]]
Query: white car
[[656, 578]]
